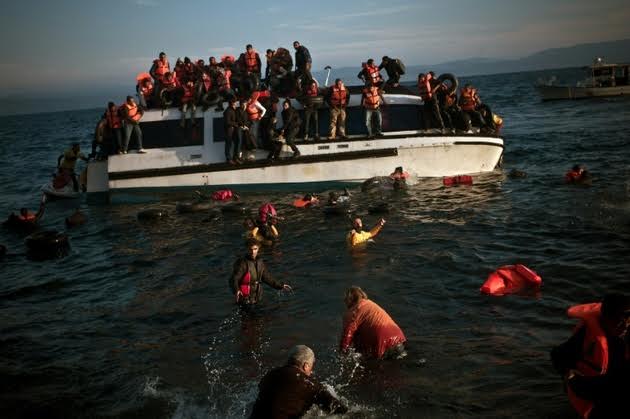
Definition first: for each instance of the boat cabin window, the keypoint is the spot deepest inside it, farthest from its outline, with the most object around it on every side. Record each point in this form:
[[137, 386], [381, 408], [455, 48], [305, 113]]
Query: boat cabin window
[[168, 133]]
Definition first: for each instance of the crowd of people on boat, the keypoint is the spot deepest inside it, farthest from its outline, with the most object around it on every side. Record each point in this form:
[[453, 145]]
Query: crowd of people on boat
[[255, 96]]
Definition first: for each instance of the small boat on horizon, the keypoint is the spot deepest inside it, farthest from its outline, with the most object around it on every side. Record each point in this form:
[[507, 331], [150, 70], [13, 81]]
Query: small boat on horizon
[[603, 80]]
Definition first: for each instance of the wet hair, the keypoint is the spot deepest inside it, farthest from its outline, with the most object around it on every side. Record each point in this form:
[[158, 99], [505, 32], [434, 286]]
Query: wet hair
[[23, 211], [287, 101], [576, 167], [252, 242], [398, 169], [353, 295], [300, 355], [615, 306], [307, 197], [248, 46]]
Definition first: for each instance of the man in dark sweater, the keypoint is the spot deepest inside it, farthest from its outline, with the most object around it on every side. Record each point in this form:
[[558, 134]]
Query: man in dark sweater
[[232, 141], [290, 391], [248, 273]]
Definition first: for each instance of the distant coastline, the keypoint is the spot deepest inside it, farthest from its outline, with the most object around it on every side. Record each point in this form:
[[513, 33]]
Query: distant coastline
[[549, 59]]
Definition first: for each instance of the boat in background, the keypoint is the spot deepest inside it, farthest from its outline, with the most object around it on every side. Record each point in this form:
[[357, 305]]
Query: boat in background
[[604, 80], [194, 156]]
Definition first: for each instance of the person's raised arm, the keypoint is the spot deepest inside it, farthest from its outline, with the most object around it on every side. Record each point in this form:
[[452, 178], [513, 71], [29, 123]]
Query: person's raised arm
[[377, 228]]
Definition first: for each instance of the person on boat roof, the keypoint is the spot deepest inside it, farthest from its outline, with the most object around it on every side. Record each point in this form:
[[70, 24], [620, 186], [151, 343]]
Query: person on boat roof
[[250, 61], [374, 77], [159, 68], [303, 63], [269, 55], [394, 68], [146, 93], [249, 273], [338, 98], [357, 236]]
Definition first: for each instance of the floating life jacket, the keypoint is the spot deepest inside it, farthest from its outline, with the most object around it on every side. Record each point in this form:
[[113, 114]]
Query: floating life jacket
[[113, 119], [161, 68], [253, 113], [510, 278], [467, 100], [222, 195], [424, 88], [265, 211], [373, 74], [302, 203], [251, 61], [594, 350], [133, 112], [457, 180], [339, 97], [371, 98]]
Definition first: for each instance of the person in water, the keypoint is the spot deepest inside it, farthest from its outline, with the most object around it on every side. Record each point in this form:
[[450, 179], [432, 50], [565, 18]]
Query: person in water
[[358, 236], [291, 127], [248, 274], [67, 162], [593, 360], [307, 200], [335, 199], [369, 329], [577, 174], [26, 218], [290, 391]]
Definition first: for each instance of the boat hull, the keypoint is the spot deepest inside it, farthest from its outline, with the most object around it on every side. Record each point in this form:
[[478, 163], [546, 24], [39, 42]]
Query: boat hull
[[572, 92]]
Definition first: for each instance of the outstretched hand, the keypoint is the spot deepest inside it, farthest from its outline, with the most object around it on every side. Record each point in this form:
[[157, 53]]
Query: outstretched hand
[[286, 287]]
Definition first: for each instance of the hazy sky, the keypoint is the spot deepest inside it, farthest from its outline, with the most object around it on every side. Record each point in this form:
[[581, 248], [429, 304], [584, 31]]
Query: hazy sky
[[56, 44]]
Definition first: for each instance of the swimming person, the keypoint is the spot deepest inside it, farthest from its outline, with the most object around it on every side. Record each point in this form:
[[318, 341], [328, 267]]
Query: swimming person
[[358, 236], [290, 391], [369, 328], [248, 273]]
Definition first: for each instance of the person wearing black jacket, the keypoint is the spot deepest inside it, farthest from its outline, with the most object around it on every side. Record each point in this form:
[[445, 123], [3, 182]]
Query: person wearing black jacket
[[290, 391], [232, 142], [302, 63], [248, 273], [394, 69], [291, 126]]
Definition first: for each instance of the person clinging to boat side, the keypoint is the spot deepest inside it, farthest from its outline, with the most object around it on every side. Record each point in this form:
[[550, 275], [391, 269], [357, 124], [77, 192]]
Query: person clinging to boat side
[[249, 273], [358, 236], [67, 163]]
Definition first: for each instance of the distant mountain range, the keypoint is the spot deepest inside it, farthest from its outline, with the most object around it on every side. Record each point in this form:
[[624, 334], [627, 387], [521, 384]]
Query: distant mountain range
[[575, 56]]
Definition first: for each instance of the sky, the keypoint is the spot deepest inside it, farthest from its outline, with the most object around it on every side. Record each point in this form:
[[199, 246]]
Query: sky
[[58, 45]]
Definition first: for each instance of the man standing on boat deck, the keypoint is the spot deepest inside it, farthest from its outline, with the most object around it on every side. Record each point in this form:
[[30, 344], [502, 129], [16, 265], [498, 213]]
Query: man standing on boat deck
[[338, 97], [430, 110], [255, 112], [371, 100], [132, 114], [248, 274], [243, 128], [303, 63], [232, 143]]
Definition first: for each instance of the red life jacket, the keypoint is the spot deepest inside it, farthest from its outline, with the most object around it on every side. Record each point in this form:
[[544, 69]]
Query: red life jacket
[[161, 68], [424, 87], [371, 98], [207, 81], [373, 74], [251, 62], [146, 91], [594, 350], [29, 217], [509, 279], [265, 211], [467, 100], [253, 113], [572, 176], [169, 84], [223, 80], [244, 285], [222, 195], [189, 92], [312, 90], [113, 120], [339, 97], [133, 112]]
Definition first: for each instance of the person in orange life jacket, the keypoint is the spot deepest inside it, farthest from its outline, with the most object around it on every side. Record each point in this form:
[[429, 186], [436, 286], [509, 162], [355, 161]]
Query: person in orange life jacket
[[224, 85], [593, 361], [578, 174], [248, 274], [188, 103], [369, 329], [373, 75], [232, 139], [27, 217], [252, 63], [303, 64], [159, 68], [430, 110], [146, 93], [255, 112], [132, 114], [290, 126], [337, 98], [307, 200], [67, 162], [357, 236], [170, 91], [311, 111], [394, 69], [372, 99], [468, 103]]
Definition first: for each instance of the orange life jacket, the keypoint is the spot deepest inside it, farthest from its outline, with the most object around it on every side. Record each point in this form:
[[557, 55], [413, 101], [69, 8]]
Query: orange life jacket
[[373, 74], [572, 176], [223, 80], [467, 100], [28, 218], [302, 203], [371, 98], [161, 67], [146, 91], [189, 92], [133, 112], [339, 97], [424, 87], [253, 113], [113, 120], [312, 90], [594, 350], [251, 62], [169, 84]]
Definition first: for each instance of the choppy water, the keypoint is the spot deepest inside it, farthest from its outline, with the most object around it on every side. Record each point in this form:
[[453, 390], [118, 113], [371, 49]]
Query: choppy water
[[138, 322]]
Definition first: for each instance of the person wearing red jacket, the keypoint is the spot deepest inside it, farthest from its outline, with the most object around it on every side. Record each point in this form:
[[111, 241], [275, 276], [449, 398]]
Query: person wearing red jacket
[[369, 329]]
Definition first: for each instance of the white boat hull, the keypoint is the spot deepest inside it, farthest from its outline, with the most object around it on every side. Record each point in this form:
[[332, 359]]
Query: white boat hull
[[572, 92]]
